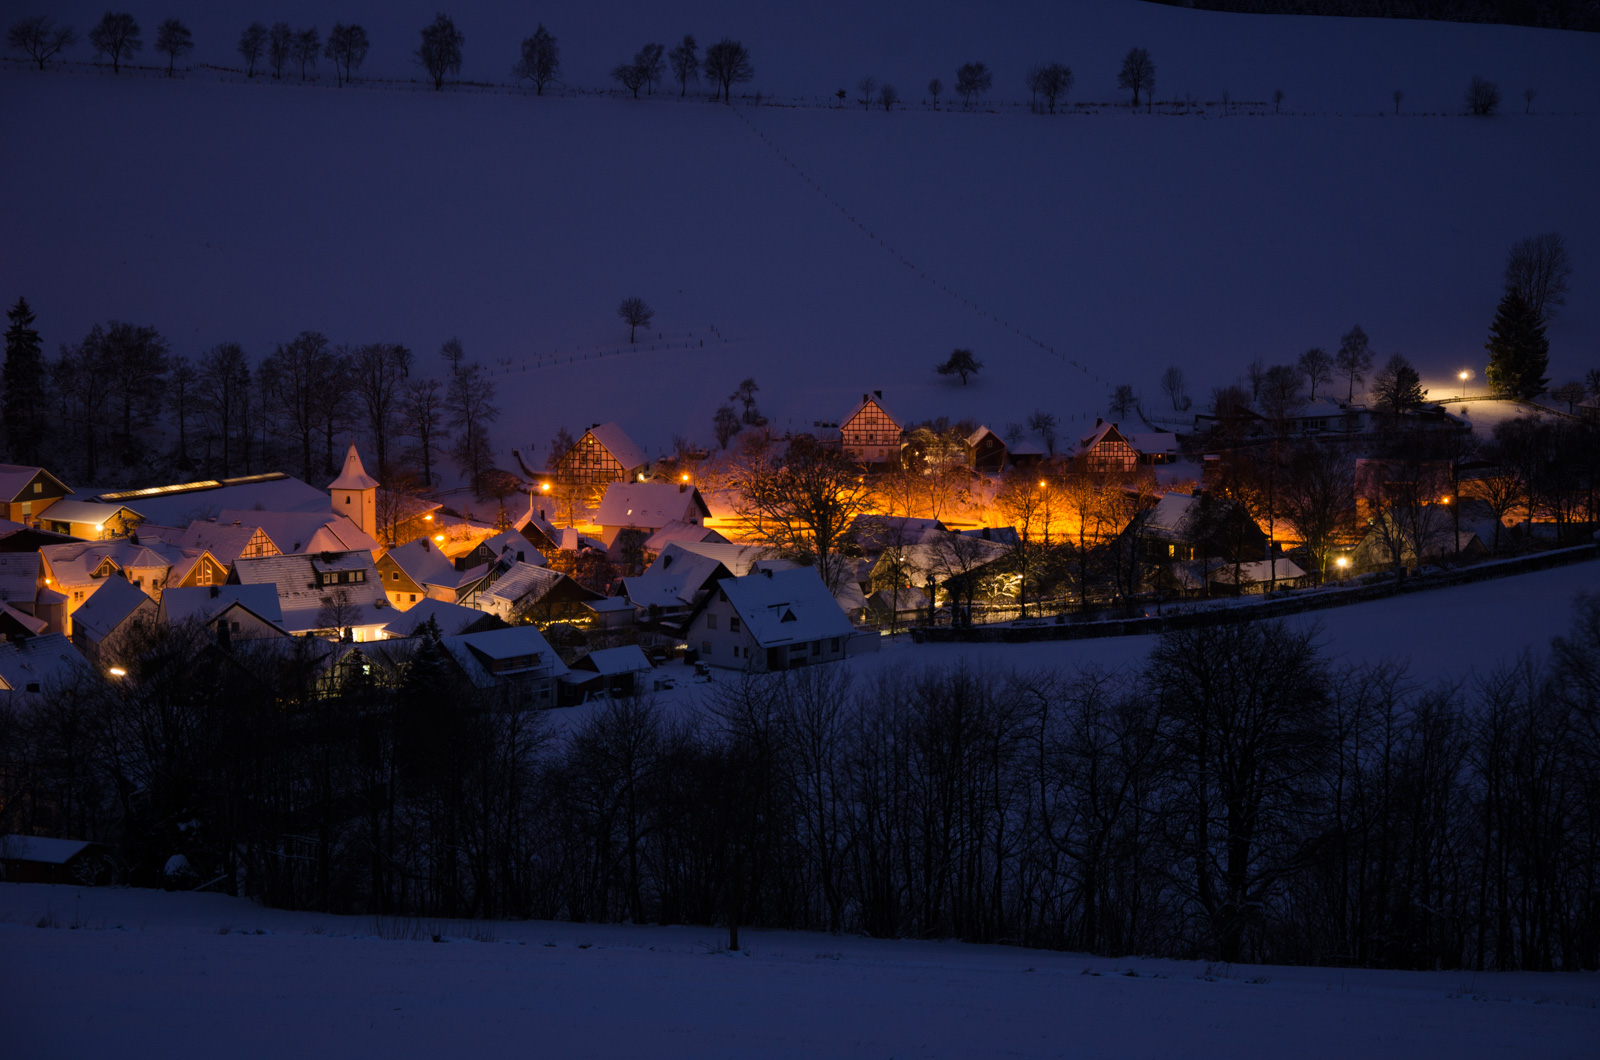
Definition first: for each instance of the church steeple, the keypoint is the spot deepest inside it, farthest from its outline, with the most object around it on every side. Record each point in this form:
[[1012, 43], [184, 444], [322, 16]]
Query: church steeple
[[355, 494]]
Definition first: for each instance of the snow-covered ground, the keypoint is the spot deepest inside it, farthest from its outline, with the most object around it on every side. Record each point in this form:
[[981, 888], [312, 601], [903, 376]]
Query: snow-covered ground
[[832, 251], [148, 974]]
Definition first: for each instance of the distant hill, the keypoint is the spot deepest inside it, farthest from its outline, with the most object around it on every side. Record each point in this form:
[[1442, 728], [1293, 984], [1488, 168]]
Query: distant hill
[[1546, 14]]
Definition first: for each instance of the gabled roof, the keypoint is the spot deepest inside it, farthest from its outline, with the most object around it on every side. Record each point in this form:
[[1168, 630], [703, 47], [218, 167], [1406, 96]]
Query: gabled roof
[[202, 603], [470, 649], [675, 578], [353, 476], [650, 505], [34, 626], [878, 532], [521, 548], [1155, 442], [41, 850], [302, 601], [738, 559], [781, 607], [71, 511], [524, 583], [181, 504], [14, 480], [40, 660], [19, 576], [225, 541], [425, 564], [618, 444], [869, 399], [294, 532], [109, 607], [692, 533], [75, 564], [1098, 435], [978, 435], [452, 619], [609, 662]]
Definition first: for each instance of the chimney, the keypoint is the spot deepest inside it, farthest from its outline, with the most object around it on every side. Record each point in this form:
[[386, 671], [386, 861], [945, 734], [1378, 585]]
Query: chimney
[[879, 393], [1098, 421], [215, 592], [683, 487], [864, 398], [767, 571]]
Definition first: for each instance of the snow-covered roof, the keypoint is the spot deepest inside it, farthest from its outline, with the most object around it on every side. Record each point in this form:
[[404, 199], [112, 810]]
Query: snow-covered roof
[[1171, 514], [109, 607], [947, 555], [302, 600], [297, 531], [424, 564], [23, 619], [677, 531], [452, 619], [977, 436], [521, 548], [739, 559], [353, 476], [609, 662], [75, 563], [15, 478], [1097, 435], [202, 603], [650, 505], [1164, 442], [675, 578], [878, 532], [781, 607], [67, 510], [619, 445], [40, 849], [908, 598], [181, 504], [1258, 571], [40, 661], [609, 605], [225, 541], [472, 650], [523, 583], [19, 576], [874, 398]]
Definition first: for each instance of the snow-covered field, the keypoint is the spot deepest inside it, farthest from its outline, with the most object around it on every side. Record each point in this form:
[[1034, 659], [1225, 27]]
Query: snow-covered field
[[148, 974], [833, 251]]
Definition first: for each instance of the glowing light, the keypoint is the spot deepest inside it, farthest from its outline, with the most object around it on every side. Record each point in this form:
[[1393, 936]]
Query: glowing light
[[117, 671], [438, 537], [429, 518], [544, 487], [1465, 375], [1041, 483], [1343, 561], [99, 527], [684, 476]]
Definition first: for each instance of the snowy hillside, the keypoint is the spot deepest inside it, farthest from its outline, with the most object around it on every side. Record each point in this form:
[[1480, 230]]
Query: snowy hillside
[[149, 974], [832, 251]]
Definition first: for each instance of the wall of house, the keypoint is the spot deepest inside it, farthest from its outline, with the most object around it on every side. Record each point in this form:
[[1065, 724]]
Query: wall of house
[[722, 639]]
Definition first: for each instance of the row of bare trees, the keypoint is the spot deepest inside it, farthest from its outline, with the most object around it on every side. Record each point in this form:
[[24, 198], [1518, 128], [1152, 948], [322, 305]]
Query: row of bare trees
[[1237, 798]]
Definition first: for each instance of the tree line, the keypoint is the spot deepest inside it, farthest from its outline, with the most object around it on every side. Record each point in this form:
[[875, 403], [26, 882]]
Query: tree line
[[1237, 797], [97, 405]]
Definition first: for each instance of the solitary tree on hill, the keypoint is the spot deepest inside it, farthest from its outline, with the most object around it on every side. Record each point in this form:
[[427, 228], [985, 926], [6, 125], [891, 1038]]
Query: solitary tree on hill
[[116, 36], [440, 50], [973, 79], [960, 362], [1483, 97], [541, 59], [1519, 353], [636, 313], [1138, 73], [172, 40], [39, 38]]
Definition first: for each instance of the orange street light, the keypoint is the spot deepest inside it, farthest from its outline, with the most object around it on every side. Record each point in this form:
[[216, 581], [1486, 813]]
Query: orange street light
[[544, 487], [429, 517], [438, 537], [117, 671], [684, 476]]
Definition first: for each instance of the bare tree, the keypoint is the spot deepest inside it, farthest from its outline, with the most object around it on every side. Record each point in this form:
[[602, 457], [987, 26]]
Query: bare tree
[[1138, 74], [280, 44], [1398, 96], [1044, 424], [469, 406], [297, 374], [1277, 100], [1054, 82], [804, 502], [1317, 367], [1175, 387], [379, 371], [1123, 400], [116, 36], [685, 60], [422, 419], [960, 362], [223, 393], [347, 47], [972, 79], [305, 47], [1537, 269], [39, 38], [1317, 498], [252, 44], [1571, 393], [935, 87], [654, 66], [725, 425], [1482, 97], [866, 86], [1354, 359], [440, 50], [888, 97], [541, 59], [1527, 100], [172, 40], [631, 75], [727, 63], [636, 313]]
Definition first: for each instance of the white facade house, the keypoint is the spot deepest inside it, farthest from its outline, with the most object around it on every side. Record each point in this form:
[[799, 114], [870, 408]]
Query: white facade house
[[771, 620]]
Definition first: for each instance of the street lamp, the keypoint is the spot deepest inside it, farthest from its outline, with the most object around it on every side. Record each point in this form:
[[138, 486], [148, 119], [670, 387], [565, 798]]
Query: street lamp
[[1464, 375], [117, 671], [1342, 563]]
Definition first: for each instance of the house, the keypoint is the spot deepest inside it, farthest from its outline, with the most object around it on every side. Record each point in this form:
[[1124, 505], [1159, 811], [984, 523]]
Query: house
[[604, 454], [875, 533], [354, 494], [182, 503], [1419, 535], [608, 672], [417, 571], [452, 619], [227, 542], [497, 546], [675, 585], [244, 612], [893, 606], [21, 578], [293, 533], [610, 612], [516, 665], [41, 664], [986, 451], [771, 620], [1156, 447], [77, 570], [516, 591], [870, 433], [90, 520], [1183, 526], [690, 533], [1026, 454], [326, 594], [1105, 450], [38, 859], [191, 568], [648, 506], [26, 492], [103, 620]]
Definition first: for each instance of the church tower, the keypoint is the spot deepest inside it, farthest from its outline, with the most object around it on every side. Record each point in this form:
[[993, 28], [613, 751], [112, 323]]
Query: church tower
[[355, 494]]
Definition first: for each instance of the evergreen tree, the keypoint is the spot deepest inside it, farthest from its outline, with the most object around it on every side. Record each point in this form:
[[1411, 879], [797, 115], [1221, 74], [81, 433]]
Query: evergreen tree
[[24, 377], [1518, 351]]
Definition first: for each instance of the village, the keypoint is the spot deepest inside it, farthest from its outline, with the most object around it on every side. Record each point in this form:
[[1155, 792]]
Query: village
[[609, 574]]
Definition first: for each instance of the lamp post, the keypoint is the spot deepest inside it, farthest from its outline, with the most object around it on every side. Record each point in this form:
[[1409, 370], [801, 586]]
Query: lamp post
[[1343, 562], [1464, 375]]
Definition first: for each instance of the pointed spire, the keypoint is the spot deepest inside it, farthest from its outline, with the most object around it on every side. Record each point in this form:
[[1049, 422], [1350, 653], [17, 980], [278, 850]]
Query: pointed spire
[[354, 476]]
